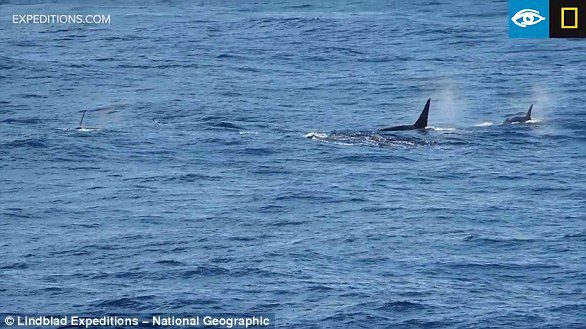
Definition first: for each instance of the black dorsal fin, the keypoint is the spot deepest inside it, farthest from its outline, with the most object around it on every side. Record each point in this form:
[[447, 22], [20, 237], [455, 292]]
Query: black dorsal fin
[[81, 121], [421, 123], [528, 115]]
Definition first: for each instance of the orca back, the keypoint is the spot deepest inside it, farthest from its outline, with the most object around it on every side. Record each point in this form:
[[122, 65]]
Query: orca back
[[398, 128]]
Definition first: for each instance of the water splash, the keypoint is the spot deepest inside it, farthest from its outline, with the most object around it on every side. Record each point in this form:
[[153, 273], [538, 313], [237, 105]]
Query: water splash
[[451, 104]]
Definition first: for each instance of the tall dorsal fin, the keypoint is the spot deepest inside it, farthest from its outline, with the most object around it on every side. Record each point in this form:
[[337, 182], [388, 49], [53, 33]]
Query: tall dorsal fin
[[421, 123], [528, 115], [81, 121]]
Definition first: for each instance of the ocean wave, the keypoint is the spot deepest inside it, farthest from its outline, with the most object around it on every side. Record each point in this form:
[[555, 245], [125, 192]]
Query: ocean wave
[[26, 121], [33, 143], [401, 306], [227, 125]]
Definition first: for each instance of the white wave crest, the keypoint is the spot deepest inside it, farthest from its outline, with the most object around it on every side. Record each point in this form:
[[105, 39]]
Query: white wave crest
[[314, 135], [441, 129]]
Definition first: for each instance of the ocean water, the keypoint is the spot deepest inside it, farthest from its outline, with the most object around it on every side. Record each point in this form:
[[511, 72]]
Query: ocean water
[[233, 164]]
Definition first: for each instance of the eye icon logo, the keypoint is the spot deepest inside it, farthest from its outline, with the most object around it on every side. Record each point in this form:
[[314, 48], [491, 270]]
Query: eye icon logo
[[527, 17]]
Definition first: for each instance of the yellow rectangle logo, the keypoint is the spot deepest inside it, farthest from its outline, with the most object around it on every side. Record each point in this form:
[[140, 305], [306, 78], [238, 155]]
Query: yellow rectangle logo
[[575, 23]]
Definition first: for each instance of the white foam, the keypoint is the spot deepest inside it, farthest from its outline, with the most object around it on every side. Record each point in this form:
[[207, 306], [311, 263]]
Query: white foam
[[340, 143], [485, 124], [314, 135], [442, 129]]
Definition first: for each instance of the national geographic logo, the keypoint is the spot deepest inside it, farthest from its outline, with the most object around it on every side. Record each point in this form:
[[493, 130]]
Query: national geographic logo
[[547, 18], [567, 19]]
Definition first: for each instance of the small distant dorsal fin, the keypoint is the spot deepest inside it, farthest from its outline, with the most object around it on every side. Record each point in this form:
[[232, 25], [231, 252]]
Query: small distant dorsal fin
[[421, 123], [528, 115], [81, 121]]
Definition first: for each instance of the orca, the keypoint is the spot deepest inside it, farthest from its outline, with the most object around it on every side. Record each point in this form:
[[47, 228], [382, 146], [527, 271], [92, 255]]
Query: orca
[[80, 127], [520, 119], [421, 123]]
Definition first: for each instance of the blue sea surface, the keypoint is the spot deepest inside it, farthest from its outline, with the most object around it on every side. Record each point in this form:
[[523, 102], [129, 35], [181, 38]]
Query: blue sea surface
[[235, 164]]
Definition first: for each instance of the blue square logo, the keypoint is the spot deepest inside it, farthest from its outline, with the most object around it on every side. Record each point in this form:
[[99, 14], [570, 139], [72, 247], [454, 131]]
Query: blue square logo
[[529, 18]]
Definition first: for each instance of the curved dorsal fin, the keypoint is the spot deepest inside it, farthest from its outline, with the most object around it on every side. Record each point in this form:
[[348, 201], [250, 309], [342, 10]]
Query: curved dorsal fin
[[421, 123], [528, 115]]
